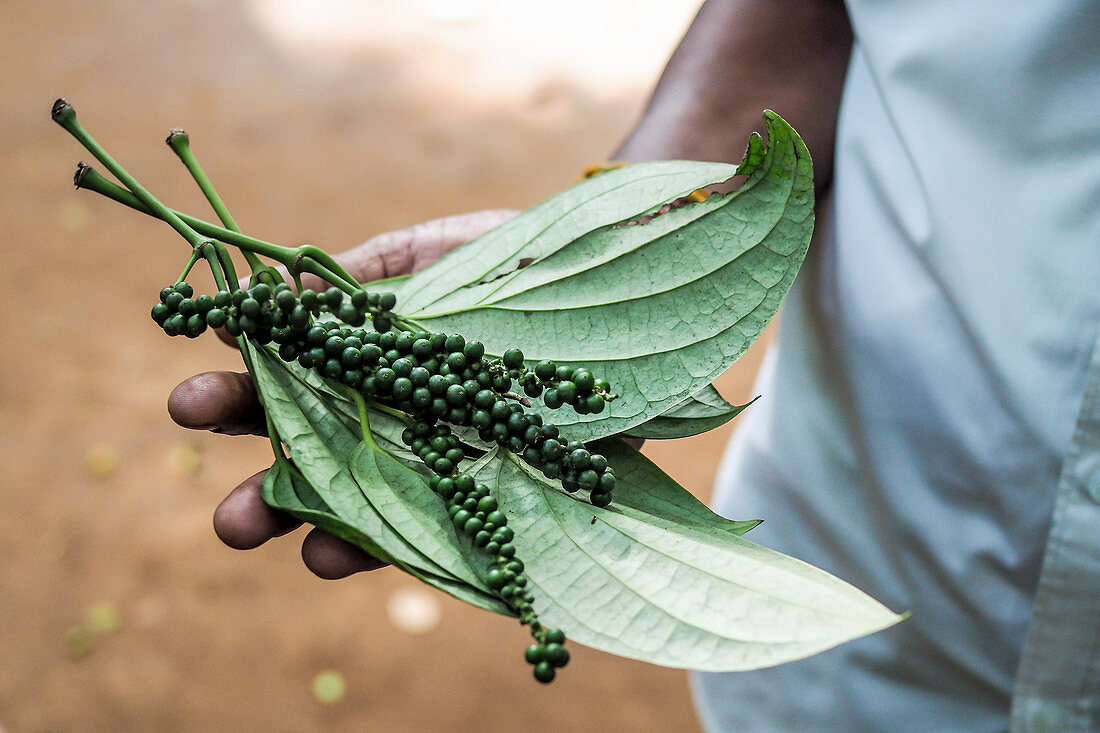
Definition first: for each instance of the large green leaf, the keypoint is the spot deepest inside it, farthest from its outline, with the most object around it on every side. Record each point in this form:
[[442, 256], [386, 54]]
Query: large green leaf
[[320, 447], [658, 577], [284, 490], [703, 411], [659, 305], [289, 492], [403, 498]]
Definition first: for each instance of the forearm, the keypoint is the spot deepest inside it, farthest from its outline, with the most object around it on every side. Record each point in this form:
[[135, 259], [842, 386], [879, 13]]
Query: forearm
[[738, 58]]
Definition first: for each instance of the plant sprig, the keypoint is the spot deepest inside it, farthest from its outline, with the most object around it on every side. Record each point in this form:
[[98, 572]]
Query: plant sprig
[[436, 453]]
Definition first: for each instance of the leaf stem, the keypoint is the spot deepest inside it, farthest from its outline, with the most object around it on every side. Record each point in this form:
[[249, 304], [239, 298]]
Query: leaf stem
[[295, 259], [392, 412], [65, 115], [195, 254], [364, 420], [180, 143]]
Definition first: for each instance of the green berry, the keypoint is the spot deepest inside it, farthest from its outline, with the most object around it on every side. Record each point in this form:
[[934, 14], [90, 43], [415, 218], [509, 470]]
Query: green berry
[[402, 388], [250, 307], [285, 300], [588, 480], [513, 359], [456, 395], [310, 300], [554, 636], [261, 291], [332, 298], [215, 318], [584, 380], [351, 357], [544, 672], [175, 324], [384, 379], [556, 654], [160, 313], [567, 392], [600, 499], [196, 324], [474, 350], [535, 653]]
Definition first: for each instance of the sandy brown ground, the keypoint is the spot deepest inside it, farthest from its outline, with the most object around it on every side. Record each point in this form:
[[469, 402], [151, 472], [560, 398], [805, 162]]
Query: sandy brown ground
[[194, 636]]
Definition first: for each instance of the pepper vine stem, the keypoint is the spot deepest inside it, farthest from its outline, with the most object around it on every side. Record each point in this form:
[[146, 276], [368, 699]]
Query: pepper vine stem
[[305, 258], [180, 143], [364, 419], [64, 115]]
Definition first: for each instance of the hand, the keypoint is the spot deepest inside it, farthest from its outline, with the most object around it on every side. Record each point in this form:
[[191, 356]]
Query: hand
[[225, 402]]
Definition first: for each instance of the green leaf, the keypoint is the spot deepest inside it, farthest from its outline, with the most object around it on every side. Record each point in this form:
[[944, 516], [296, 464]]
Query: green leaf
[[658, 305], [320, 447], [658, 577], [703, 411], [404, 500], [283, 490]]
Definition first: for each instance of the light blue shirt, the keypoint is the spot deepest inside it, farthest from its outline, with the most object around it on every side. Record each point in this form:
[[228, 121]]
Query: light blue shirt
[[929, 428]]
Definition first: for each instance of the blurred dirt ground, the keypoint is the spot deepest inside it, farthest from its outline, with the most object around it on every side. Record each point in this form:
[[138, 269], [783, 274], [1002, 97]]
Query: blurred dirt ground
[[119, 608]]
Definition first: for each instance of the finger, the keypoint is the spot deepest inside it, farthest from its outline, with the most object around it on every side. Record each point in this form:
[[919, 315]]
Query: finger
[[244, 521], [409, 250], [224, 402], [331, 558]]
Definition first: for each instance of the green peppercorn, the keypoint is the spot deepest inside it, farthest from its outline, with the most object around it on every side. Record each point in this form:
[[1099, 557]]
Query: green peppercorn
[[544, 672], [599, 499], [584, 380], [556, 654], [250, 307], [160, 313], [384, 379], [513, 359], [402, 388], [535, 653], [456, 395], [567, 392], [175, 324], [196, 324]]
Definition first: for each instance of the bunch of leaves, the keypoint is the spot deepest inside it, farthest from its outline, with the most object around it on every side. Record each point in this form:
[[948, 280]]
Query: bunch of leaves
[[631, 275]]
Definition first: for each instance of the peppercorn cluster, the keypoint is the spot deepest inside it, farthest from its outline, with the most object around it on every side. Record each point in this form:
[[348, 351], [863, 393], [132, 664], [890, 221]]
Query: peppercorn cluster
[[433, 377], [263, 313], [476, 514], [440, 381]]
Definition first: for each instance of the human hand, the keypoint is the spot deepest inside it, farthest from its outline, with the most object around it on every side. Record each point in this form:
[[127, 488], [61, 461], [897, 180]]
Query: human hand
[[226, 402]]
